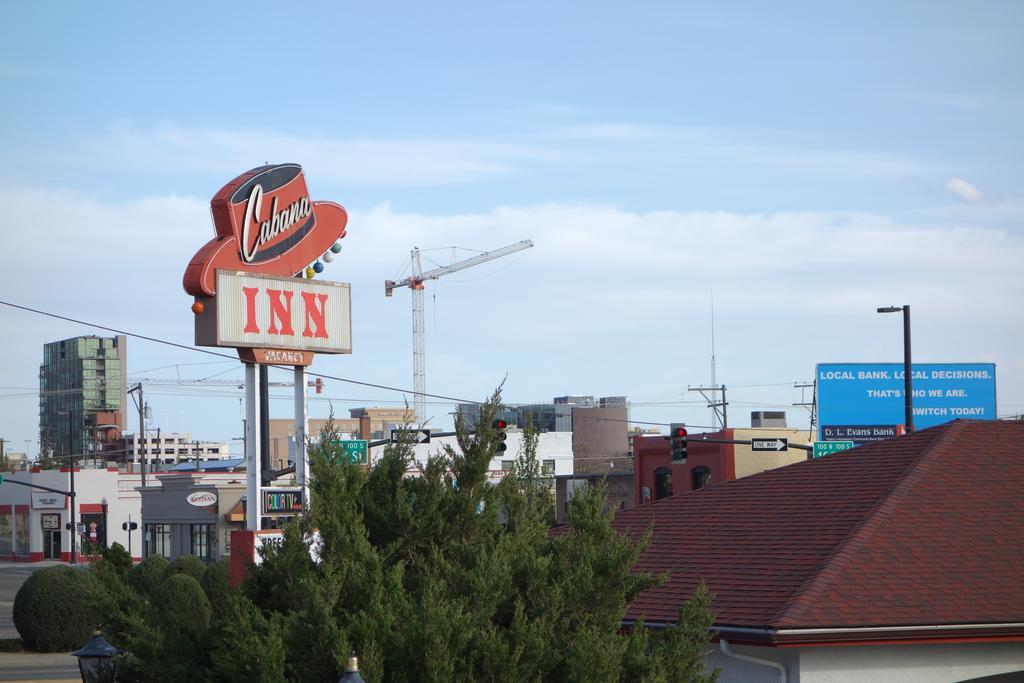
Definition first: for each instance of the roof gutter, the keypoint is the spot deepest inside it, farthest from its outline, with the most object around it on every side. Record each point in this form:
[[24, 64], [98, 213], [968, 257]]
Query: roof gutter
[[771, 635], [873, 634], [896, 629], [723, 644]]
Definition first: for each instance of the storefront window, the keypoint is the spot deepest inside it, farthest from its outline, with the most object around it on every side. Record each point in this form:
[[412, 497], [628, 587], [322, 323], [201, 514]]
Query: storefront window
[[202, 541], [93, 537], [21, 533], [158, 540], [6, 538]]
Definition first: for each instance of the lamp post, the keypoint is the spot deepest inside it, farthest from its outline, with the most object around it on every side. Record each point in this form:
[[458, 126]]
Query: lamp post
[[74, 504], [95, 659], [351, 674], [908, 395], [103, 504]]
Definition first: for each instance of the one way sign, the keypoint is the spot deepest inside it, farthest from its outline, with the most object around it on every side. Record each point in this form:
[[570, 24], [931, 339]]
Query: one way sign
[[769, 444], [418, 435]]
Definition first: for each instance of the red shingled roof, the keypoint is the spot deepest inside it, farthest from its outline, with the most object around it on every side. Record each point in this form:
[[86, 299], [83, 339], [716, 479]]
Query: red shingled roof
[[924, 529]]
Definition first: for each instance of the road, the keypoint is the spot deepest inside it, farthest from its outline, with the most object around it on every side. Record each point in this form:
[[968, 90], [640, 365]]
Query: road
[[27, 666]]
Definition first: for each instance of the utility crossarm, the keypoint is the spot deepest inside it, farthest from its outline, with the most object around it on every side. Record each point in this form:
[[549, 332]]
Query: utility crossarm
[[483, 257]]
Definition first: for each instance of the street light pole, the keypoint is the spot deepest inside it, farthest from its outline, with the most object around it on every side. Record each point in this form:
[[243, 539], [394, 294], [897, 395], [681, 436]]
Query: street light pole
[[141, 405], [908, 392], [74, 505], [103, 504]]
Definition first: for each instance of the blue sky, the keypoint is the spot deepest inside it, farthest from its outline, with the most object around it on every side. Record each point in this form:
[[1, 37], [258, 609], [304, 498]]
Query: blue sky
[[807, 163]]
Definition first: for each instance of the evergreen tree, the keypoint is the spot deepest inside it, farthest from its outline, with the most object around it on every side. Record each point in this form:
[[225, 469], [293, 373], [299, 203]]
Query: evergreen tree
[[439, 577], [447, 576]]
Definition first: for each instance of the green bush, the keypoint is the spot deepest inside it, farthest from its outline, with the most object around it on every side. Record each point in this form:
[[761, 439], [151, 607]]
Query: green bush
[[10, 645], [148, 574], [189, 565], [217, 585], [182, 604], [58, 608], [118, 558]]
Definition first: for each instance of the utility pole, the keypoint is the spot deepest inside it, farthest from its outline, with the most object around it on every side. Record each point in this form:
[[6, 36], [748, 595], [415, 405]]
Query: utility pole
[[722, 415], [812, 406], [74, 504], [195, 448], [142, 426]]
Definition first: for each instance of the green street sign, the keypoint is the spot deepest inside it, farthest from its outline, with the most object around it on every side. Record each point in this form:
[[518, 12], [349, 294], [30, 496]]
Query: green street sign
[[828, 447], [356, 450]]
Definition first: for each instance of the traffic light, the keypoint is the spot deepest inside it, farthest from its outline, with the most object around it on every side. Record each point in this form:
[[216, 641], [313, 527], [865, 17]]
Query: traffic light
[[677, 438], [129, 526], [500, 426]]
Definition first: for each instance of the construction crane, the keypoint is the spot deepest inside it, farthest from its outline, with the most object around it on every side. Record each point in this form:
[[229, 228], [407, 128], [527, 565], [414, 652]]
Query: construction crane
[[317, 384], [415, 283]]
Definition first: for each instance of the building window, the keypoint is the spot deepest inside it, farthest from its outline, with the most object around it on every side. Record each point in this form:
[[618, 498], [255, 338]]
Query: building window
[[507, 465], [700, 477], [202, 541], [548, 468], [662, 483], [158, 540]]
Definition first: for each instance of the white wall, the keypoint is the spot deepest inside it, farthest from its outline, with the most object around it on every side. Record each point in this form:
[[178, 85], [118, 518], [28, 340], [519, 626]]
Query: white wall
[[909, 663], [91, 487], [938, 663], [736, 671], [555, 446]]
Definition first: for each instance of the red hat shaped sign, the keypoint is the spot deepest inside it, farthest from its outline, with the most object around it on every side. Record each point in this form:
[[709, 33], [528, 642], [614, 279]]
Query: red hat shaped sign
[[267, 224]]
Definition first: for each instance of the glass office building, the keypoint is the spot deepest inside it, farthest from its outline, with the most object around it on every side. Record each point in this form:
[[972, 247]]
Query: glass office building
[[82, 395]]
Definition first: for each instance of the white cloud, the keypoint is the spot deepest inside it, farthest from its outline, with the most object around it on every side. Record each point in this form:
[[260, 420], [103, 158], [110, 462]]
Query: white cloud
[[350, 161], [964, 191], [608, 299], [578, 151]]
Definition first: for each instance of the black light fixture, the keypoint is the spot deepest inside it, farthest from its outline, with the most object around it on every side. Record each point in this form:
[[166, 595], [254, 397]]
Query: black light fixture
[[351, 674], [96, 660], [908, 394]]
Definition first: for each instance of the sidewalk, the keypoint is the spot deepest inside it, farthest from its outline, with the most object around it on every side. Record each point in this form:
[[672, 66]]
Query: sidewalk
[[35, 666]]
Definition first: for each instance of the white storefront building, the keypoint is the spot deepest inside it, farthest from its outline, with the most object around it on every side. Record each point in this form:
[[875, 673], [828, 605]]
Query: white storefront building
[[554, 453], [33, 522]]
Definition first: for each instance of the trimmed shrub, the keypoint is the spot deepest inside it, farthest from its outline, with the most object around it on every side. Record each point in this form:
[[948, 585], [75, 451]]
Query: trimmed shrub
[[217, 585], [58, 608], [189, 565], [182, 604], [148, 574]]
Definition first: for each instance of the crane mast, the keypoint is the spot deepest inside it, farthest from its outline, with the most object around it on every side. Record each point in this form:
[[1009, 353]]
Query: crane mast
[[415, 283]]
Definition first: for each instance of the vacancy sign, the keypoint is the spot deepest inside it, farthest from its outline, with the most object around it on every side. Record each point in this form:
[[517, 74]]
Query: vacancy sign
[[266, 311]]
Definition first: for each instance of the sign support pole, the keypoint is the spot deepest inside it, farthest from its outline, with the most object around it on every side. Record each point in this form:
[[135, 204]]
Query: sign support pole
[[301, 428], [253, 511]]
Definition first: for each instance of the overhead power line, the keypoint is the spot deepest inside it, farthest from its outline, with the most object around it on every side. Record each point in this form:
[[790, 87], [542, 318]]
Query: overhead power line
[[157, 340], [199, 383]]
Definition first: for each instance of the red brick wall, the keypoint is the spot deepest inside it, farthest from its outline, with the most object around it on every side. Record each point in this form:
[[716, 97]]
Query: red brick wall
[[650, 453]]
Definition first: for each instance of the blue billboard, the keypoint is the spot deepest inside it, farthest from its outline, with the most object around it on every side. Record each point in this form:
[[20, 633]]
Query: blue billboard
[[871, 394]]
